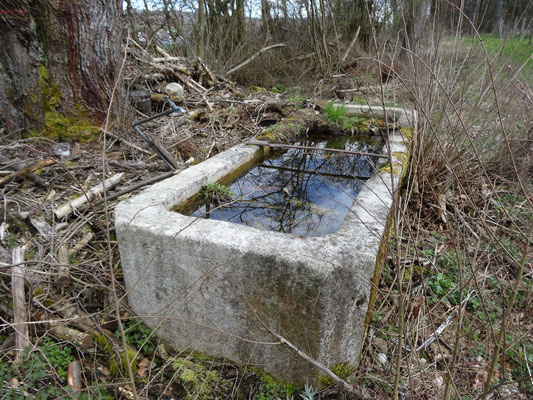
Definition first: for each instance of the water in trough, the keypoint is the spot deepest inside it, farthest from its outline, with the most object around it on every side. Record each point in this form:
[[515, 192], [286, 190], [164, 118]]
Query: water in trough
[[303, 192]]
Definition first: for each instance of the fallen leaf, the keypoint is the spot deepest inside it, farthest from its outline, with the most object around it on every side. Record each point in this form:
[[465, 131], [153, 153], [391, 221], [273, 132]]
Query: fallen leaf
[[142, 367]]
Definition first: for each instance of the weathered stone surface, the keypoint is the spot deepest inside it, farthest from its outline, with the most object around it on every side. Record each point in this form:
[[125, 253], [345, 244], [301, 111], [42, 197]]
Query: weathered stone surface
[[174, 89], [219, 288]]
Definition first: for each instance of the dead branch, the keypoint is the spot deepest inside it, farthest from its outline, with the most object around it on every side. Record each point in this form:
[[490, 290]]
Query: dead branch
[[173, 146], [350, 47], [63, 275], [349, 388], [207, 70], [17, 165], [257, 54], [75, 316], [20, 313], [163, 52], [167, 59], [26, 170], [139, 185], [82, 243], [133, 146], [138, 165], [81, 339], [88, 196]]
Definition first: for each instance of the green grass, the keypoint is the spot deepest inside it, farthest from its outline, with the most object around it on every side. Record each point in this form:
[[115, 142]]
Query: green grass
[[510, 50]]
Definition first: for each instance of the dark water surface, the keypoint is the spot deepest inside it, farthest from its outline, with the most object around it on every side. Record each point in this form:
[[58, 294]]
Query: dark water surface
[[305, 192]]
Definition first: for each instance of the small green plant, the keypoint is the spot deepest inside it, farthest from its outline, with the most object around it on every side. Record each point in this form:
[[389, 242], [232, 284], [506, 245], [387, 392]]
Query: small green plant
[[216, 193], [278, 89], [309, 393], [274, 390], [11, 240], [297, 99], [36, 373], [342, 370], [139, 336], [439, 285], [520, 354], [335, 113]]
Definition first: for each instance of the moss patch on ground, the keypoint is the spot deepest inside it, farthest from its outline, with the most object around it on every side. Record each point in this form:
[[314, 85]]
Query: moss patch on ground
[[198, 382]]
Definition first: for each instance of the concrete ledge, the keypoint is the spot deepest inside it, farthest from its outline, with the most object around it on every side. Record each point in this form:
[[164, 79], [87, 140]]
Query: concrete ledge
[[220, 288], [399, 116]]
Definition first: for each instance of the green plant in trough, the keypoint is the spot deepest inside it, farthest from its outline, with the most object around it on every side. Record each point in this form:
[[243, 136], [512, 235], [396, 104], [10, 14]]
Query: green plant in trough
[[216, 193], [335, 113]]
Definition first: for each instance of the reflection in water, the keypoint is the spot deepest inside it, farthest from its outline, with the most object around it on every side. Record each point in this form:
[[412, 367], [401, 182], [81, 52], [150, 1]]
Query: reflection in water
[[304, 192]]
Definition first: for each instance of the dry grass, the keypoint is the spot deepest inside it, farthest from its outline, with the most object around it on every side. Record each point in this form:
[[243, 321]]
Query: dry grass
[[463, 226]]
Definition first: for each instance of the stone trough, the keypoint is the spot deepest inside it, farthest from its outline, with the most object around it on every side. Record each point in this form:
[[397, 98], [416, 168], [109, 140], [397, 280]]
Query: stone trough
[[232, 291]]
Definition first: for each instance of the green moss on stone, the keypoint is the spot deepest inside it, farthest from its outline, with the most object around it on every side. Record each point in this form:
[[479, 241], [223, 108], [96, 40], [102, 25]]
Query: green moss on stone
[[342, 370], [407, 133]]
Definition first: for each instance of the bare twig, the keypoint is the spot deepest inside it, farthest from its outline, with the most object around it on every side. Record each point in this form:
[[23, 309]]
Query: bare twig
[[257, 54]]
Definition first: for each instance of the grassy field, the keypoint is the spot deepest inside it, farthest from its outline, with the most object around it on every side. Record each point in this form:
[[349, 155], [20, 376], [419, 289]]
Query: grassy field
[[510, 50]]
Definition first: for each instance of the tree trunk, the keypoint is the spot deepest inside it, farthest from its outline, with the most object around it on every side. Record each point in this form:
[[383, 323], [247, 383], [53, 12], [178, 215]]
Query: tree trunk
[[58, 56], [241, 21], [498, 23], [266, 22], [201, 28]]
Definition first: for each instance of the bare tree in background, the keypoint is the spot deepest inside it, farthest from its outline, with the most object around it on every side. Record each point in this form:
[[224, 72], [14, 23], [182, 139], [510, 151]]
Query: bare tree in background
[[498, 18]]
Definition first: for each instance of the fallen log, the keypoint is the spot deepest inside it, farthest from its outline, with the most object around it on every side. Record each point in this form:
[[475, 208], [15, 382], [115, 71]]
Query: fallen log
[[327, 149], [88, 196], [162, 98]]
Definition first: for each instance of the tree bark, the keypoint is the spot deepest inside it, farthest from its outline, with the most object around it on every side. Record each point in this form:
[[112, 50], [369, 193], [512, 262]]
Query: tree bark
[[72, 48], [497, 25], [201, 29], [266, 21]]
